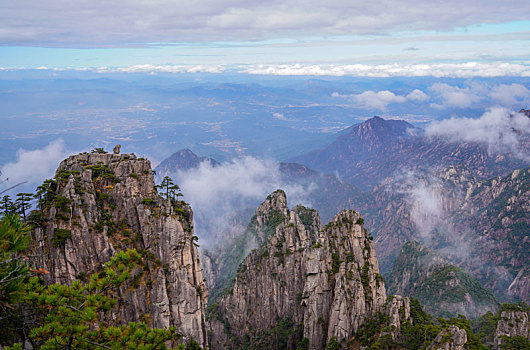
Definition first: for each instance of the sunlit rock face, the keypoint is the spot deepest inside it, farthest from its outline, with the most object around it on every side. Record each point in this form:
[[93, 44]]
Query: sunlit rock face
[[103, 203]]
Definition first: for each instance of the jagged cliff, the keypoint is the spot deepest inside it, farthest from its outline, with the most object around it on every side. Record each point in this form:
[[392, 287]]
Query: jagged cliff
[[102, 203], [513, 325], [443, 289], [482, 226], [451, 338], [310, 283]]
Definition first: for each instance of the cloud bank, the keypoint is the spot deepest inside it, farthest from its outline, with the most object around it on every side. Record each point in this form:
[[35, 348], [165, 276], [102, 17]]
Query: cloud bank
[[438, 70], [514, 95], [501, 130], [36, 165], [107, 23], [381, 99], [219, 193]]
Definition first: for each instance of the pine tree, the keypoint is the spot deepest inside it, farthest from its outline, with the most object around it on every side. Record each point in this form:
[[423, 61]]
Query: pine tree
[[171, 190], [71, 313], [45, 193], [23, 203], [7, 206], [13, 268]]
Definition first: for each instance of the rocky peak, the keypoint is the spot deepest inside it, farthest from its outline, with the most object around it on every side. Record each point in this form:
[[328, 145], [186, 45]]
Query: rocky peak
[[382, 128], [315, 283], [102, 203], [451, 338]]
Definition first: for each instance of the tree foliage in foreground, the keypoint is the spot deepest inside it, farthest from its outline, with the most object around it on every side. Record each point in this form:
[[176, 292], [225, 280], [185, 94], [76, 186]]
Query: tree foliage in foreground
[[70, 314], [13, 268]]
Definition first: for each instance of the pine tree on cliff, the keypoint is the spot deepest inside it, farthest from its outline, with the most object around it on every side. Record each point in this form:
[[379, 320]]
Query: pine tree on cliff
[[171, 190], [23, 203]]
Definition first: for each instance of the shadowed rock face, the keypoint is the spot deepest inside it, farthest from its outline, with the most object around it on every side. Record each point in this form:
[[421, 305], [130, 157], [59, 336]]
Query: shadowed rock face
[[311, 282], [107, 202], [513, 323], [443, 288], [452, 338]]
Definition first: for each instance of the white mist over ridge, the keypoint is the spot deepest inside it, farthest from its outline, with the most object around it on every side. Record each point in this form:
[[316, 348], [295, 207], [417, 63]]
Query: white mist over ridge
[[218, 194], [501, 130], [33, 166]]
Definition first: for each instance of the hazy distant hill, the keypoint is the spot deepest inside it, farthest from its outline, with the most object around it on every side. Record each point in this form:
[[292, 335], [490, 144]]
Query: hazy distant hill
[[326, 193], [481, 226], [184, 159], [376, 149]]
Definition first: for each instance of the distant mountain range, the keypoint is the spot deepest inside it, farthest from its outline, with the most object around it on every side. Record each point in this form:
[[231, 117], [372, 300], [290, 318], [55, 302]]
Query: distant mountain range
[[449, 196], [367, 153]]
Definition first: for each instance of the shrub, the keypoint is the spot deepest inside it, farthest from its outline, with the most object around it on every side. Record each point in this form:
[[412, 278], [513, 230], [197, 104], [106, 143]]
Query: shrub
[[60, 235]]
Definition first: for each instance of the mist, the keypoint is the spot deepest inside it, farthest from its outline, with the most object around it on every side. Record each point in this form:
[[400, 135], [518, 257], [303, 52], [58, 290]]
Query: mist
[[31, 167], [224, 197], [499, 129], [431, 202]]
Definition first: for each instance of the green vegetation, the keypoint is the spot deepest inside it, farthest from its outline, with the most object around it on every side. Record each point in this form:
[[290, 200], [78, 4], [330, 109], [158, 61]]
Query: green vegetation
[[281, 336], [429, 278], [67, 316], [13, 271], [417, 334], [102, 171], [170, 190], [98, 150], [148, 201], [514, 343], [60, 235]]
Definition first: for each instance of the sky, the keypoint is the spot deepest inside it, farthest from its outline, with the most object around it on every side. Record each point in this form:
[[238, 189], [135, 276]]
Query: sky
[[289, 37]]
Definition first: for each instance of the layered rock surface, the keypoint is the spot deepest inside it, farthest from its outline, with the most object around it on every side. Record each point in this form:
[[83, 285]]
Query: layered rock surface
[[452, 338], [443, 288], [304, 280], [102, 203], [512, 323]]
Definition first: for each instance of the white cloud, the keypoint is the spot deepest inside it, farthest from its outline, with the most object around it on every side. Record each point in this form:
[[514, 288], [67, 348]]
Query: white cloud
[[417, 95], [280, 116], [499, 129], [510, 95], [216, 193], [454, 96], [36, 165], [105, 23], [381, 99], [149, 68], [455, 70]]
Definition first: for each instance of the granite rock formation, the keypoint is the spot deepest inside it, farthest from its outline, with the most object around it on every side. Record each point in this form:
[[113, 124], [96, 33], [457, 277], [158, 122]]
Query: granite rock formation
[[102, 203], [313, 283]]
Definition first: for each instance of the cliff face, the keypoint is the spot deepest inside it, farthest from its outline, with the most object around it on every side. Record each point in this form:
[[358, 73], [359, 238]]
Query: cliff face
[[304, 280], [452, 338], [443, 288], [481, 226], [513, 323], [102, 203]]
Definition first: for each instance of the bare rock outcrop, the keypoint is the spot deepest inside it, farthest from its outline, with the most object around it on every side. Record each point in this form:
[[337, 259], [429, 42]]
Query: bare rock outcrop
[[451, 338], [101, 203], [308, 282], [512, 323]]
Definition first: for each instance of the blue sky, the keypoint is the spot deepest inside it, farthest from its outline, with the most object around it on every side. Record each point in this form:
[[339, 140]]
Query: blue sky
[[270, 37]]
